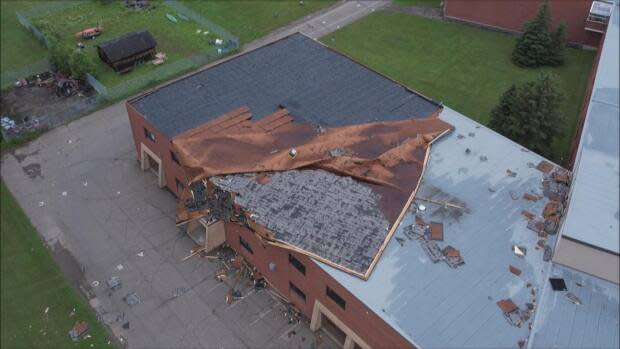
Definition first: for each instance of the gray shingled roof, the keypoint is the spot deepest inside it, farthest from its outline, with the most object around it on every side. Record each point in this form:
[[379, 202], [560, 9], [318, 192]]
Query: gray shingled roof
[[127, 45], [314, 82]]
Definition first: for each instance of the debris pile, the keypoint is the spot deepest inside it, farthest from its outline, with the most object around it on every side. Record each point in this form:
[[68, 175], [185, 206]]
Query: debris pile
[[78, 330], [427, 235]]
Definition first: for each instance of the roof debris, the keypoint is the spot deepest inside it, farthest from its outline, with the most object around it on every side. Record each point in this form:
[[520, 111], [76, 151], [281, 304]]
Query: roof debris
[[350, 161], [547, 254], [574, 299], [531, 197], [436, 231], [544, 166], [519, 251], [514, 270], [511, 311], [528, 214], [432, 250], [452, 256]]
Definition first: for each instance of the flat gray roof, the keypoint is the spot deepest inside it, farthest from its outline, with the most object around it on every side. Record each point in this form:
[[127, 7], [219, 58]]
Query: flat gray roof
[[593, 208], [315, 83], [433, 305], [563, 324]]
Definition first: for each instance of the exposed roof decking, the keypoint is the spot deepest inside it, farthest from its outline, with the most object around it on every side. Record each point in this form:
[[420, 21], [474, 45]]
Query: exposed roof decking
[[315, 83], [593, 210], [593, 324], [433, 305], [332, 216]]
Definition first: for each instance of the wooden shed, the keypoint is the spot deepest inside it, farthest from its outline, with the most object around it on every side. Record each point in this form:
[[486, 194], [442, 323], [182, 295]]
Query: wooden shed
[[126, 51]]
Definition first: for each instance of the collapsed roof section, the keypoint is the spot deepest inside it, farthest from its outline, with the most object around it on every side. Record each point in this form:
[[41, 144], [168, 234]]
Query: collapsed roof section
[[334, 194]]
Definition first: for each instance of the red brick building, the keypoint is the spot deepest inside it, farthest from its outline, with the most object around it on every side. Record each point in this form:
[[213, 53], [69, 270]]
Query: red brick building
[[582, 29], [412, 298]]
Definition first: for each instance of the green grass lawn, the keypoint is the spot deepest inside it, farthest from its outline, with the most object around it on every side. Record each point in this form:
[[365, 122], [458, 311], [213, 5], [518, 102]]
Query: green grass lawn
[[177, 40], [250, 20], [465, 67], [19, 47], [32, 282]]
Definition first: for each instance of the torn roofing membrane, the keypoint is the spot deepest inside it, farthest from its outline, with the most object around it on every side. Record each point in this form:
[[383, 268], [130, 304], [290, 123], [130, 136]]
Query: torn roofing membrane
[[331, 193]]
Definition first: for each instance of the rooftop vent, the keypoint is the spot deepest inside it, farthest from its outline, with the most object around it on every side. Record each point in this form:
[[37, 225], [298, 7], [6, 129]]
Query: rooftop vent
[[600, 11], [557, 284]]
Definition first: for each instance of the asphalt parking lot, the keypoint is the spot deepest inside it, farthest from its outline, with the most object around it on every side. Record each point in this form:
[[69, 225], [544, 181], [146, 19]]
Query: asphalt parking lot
[[82, 187]]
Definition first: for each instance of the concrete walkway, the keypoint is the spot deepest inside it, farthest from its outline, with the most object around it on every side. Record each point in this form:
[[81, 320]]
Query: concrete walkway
[[101, 216], [323, 22]]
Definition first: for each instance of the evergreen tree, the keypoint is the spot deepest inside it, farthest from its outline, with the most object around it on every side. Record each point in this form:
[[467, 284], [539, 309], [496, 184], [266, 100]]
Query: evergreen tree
[[529, 114], [558, 43], [532, 47]]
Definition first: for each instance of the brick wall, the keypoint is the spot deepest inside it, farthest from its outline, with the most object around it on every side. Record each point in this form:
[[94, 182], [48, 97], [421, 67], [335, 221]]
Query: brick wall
[[357, 316], [511, 15], [361, 320], [162, 146]]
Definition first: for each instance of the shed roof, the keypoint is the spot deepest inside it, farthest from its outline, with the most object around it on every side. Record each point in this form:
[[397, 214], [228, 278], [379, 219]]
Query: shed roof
[[127, 45], [593, 214], [315, 83]]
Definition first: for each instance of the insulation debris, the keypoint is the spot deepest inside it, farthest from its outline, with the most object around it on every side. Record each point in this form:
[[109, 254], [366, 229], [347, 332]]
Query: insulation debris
[[417, 231], [514, 270], [432, 250]]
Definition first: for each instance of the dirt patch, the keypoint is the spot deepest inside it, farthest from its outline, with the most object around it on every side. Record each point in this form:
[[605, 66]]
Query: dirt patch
[[41, 103], [71, 268]]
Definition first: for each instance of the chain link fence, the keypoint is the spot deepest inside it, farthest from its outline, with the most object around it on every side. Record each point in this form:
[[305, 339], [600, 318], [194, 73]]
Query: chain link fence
[[131, 86]]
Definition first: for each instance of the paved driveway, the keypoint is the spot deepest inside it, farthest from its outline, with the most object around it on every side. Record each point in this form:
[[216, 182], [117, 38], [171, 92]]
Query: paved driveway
[[83, 189]]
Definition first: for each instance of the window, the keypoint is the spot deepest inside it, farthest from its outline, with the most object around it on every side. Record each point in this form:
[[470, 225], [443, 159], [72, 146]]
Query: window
[[174, 157], [148, 134], [294, 289], [336, 298], [245, 245], [297, 264], [180, 186]]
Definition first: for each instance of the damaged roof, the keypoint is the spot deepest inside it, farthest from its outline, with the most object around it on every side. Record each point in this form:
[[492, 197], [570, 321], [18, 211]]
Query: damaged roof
[[482, 176], [334, 194], [593, 215], [314, 82]]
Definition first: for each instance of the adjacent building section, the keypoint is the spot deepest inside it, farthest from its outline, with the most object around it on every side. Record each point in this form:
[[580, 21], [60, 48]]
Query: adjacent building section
[[585, 19], [590, 234]]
